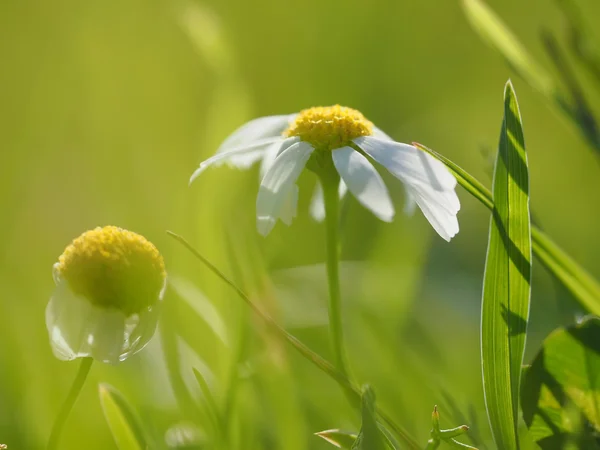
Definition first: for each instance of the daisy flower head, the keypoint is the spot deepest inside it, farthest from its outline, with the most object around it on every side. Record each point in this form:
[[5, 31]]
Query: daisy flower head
[[109, 284], [340, 145]]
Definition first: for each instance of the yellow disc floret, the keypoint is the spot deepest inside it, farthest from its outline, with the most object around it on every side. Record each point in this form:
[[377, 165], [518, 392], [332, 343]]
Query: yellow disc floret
[[113, 267], [329, 127]]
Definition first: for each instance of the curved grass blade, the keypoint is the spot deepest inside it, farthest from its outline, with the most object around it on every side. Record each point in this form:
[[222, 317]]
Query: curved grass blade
[[492, 30], [212, 409], [506, 285], [122, 420], [580, 283], [322, 364]]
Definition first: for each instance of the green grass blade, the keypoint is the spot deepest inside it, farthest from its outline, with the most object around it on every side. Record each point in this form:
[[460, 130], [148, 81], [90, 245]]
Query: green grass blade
[[492, 30], [506, 286], [580, 283], [338, 438], [212, 409], [321, 363], [122, 420]]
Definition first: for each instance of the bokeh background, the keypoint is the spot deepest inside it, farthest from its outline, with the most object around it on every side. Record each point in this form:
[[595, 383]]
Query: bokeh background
[[106, 108]]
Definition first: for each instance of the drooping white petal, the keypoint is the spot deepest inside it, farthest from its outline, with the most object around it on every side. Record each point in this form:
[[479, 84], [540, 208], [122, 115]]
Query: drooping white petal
[[78, 329], [272, 152], [317, 203], [257, 129], [239, 157], [426, 179], [288, 210], [439, 208], [364, 182], [139, 329], [276, 184], [410, 204], [408, 163]]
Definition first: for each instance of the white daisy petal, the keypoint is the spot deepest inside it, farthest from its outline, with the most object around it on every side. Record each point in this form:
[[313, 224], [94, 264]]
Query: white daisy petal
[[288, 211], [257, 129], [317, 203], [240, 157], [276, 184], [272, 152], [426, 179], [410, 204], [77, 328], [364, 182], [342, 189], [439, 208], [407, 163]]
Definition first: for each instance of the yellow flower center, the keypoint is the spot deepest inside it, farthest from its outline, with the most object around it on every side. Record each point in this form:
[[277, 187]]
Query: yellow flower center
[[329, 127], [113, 267]]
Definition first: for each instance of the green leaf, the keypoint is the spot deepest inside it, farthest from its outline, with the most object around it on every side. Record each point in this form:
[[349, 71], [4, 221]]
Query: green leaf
[[210, 404], [506, 286], [580, 283], [122, 420], [492, 30], [370, 437], [561, 390], [338, 438]]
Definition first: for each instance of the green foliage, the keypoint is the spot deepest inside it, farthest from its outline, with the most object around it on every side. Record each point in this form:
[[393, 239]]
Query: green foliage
[[122, 420], [438, 435], [560, 396], [496, 33], [582, 285], [108, 106], [338, 438], [372, 435], [574, 105], [212, 409], [507, 288], [369, 437]]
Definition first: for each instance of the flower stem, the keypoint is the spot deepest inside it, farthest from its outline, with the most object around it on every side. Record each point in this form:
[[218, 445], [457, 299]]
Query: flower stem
[[332, 208], [306, 352], [84, 370]]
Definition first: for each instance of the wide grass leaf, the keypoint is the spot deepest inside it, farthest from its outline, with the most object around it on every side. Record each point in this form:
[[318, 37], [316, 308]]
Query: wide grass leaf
[[561, 389], [506, 286], [122, 420]]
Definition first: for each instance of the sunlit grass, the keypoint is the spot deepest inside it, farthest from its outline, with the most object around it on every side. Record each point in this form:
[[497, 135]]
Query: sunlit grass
[[108, 108]]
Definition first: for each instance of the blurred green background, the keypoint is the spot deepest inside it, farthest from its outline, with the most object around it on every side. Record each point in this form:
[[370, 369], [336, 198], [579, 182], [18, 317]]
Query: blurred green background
[[106, 108]]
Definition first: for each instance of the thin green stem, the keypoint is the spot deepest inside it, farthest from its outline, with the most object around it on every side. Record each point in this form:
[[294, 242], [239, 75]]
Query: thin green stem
[[59, 423], [336, 331], [432, 444], [306, 352]]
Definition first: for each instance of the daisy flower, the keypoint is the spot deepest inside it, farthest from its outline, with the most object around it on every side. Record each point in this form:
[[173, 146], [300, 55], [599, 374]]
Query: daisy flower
[[336, 142], [109, 283]]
